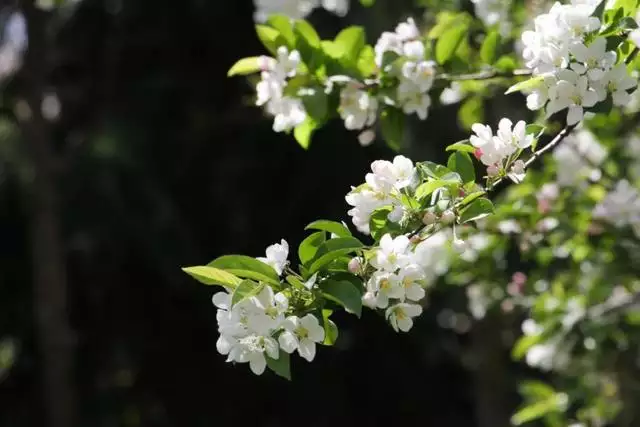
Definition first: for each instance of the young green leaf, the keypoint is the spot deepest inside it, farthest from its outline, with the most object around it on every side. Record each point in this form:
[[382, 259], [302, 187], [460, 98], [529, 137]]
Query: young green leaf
[[535, 129], [245, 66], [350, 41], [462, 164], [270, 38], [425, 190], [330, 328], [379, 223], [449, 41], [247, 267], [282, 23], [309, 246], [489, 48], [471, 111], [246, 289], [280, 366], [316, 103], [463, 146], [212, 276], [366, 61], [367, 3], [343, 293], [478, 209], [334, 227], [303, 132], [333, 249], [392, 122], [539, 409], [528, 84]]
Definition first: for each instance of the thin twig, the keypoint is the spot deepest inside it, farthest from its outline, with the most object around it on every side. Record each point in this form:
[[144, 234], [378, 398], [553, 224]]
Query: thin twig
[[484, 75]]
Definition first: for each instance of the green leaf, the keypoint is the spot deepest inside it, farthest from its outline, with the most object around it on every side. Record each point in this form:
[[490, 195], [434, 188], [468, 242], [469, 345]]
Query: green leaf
[[270, 38], [462, 146], [330, 328], [506, 63], [350, 41], [308, 44], [379, 224], [367, 3], [599, 11], [489, 48], [316, 103], [471, 112], [280, 366], [627, 23], [392, 123], [528, 84], [333, 249], [538, 410], [433, 170], [366, 61], [344, 293], [303, 132], [334, 227], [536, 390], [304, 30], [429, 187], [212, 276], [247, 267], [449, 41], [282, 23], [246, 289], [471, 197], [245, 66], [523, 345], [309, 246], [478, 209], [462, 164], [535, 129]]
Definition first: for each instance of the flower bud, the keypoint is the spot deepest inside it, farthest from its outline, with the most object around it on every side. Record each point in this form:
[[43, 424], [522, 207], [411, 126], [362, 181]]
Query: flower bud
[[477, 153], [366, 138], [429, 218], [415, 239], [355, 265], [448, 217], [493, 170], [518, 167], [459, 245]]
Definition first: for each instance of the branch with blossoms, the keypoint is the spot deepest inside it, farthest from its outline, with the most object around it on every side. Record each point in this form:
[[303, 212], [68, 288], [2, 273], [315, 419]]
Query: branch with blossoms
[[268, 309]]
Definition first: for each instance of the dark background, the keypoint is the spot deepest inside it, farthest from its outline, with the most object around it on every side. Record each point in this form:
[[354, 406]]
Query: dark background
[[165, 163]]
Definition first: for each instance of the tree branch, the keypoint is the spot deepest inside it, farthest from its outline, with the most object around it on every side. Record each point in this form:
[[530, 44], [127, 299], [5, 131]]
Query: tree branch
[[485, 75]]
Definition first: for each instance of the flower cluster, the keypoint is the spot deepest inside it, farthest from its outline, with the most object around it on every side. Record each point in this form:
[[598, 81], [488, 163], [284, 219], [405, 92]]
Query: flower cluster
[[621, 207], [358, 108], [573, 73], [416, 74], [260, 326], [288, 111], [297, 9], [496, 151], [382, 188]]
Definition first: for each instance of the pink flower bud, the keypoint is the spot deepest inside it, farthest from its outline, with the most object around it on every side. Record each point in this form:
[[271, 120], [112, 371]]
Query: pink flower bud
[[429, 218], [355, 265], [477, 153], [448, 217]]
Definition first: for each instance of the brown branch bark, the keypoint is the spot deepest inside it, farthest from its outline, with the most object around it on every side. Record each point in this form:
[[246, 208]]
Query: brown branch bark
[[55, 339]]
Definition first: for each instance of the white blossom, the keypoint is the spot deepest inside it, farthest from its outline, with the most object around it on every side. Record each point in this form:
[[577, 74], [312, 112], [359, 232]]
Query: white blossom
[[358, 108], [380, 288], [401, 316], [277, 255], [617, 82], [573, 92], [392, 254], [301, 334]]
